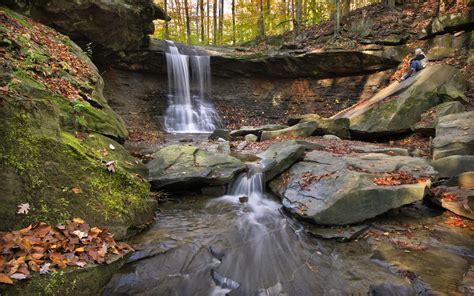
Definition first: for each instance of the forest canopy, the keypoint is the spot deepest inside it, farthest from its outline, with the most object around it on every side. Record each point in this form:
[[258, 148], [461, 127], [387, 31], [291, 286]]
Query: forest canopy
[[232, 22]]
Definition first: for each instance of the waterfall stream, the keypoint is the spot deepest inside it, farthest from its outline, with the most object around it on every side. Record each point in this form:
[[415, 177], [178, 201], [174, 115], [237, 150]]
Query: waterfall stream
[[189, 110]]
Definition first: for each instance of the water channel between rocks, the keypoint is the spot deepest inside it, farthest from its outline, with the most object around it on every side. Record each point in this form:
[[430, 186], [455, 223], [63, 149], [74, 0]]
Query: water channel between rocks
[[238, 246]]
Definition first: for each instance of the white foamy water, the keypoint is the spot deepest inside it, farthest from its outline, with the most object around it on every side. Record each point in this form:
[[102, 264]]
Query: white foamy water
[[189, 84]]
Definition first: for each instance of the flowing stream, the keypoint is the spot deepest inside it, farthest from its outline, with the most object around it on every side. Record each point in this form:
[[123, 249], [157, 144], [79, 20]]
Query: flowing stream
[[244, 244], [189, 110]]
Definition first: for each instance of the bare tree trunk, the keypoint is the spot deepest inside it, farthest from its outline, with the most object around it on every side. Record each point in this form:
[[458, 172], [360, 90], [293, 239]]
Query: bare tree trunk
[[201, 5], [221, 22], [390, 3], [208, 22], [197, 21], [338, 18], [233, 22], [298, 17], [260, 23], [346, 8], [188, 27], [214, 8], [167, 32]]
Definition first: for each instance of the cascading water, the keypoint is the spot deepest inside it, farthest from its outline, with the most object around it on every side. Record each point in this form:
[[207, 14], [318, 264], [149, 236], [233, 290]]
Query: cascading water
[[188, 109]]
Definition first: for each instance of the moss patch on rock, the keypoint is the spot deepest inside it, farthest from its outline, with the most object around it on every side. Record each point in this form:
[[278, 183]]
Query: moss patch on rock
[[58, 133]]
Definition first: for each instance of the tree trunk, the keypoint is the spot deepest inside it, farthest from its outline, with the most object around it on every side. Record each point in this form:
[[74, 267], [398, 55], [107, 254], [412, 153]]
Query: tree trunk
[[346, 8], [197, 21], [298, 17], [221, 22], [390, 3], [338, 18], [208, 22], [166, 22], [201, 5], [233, 22], [188, 27], [214, 8], [260, 23]]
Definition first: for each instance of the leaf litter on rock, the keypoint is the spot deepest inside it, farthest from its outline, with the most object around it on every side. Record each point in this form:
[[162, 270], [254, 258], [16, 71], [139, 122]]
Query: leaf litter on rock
[[43, 248]]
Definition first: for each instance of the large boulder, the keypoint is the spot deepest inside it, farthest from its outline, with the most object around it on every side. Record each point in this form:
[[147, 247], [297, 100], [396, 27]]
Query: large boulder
[[455, 199], [398, 107], [324, 126], [303, 129], [112, 25], [451, 166], [463, 20], [186, 167], [454, 135], [429, 119], [58, 151], [329, 189], [279, 157], [246, 130]]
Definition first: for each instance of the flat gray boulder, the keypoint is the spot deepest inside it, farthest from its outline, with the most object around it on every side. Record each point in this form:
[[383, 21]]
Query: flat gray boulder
[[279, 157], [338, 190], [453, 165], [454, 135], [429, 119], [399, 106], [246, 130], [455, 199], [184, 167], [324, 126], [303, 129]]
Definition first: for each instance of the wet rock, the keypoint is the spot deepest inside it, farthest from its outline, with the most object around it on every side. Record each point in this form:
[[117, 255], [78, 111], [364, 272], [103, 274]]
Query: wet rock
[[339, 190], [457, 200], [340, 234], [467, 283], [224, 282], [429, 119], [184, 167], [399, 106], [251, 138], [324, 126], [447, 45], [216, 254], [454, 135], [246, 130], [303, 129], [220, 133], [279, 157], [453, 165], [214, 191], [379, 149], [390, 290], [243, 199]]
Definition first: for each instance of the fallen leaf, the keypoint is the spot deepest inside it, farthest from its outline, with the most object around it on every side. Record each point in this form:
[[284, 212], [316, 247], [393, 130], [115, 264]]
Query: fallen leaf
[[78, 220], [45, 268], [23, 208], [5, 279], [18, 276], [112, 147], [76, 190], [111, 166]]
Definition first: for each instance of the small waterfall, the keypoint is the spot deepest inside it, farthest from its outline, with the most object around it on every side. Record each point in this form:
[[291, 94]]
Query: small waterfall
[[189, 85]]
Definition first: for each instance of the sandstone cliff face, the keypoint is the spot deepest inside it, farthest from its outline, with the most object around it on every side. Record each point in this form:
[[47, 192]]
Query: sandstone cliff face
[[105, 26]]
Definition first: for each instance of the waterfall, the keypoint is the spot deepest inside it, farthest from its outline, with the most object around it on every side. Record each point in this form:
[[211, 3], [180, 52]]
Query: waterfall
[[188, 110]]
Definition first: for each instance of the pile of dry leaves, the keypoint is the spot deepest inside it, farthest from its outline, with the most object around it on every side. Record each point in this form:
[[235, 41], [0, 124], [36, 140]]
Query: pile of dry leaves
[[307, 178], [43, 248], [398, 178]]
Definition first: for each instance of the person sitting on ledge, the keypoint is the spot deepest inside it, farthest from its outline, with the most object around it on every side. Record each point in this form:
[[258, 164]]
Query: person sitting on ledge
[[416, 64]]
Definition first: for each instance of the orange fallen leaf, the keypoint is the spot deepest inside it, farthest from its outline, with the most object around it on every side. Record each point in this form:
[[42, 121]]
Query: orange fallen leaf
[[5, 279], [76, 190]]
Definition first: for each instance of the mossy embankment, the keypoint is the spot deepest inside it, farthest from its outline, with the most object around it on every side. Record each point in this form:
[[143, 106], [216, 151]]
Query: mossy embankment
[[59, 136]]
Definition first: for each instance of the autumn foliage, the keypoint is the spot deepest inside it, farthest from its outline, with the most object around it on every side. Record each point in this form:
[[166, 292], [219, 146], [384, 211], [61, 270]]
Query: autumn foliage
[[43, 248], [398, 178]]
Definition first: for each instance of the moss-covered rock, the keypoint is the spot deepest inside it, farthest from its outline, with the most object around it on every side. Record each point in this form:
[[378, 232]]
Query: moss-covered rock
[[398, 107], [58, 134]]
